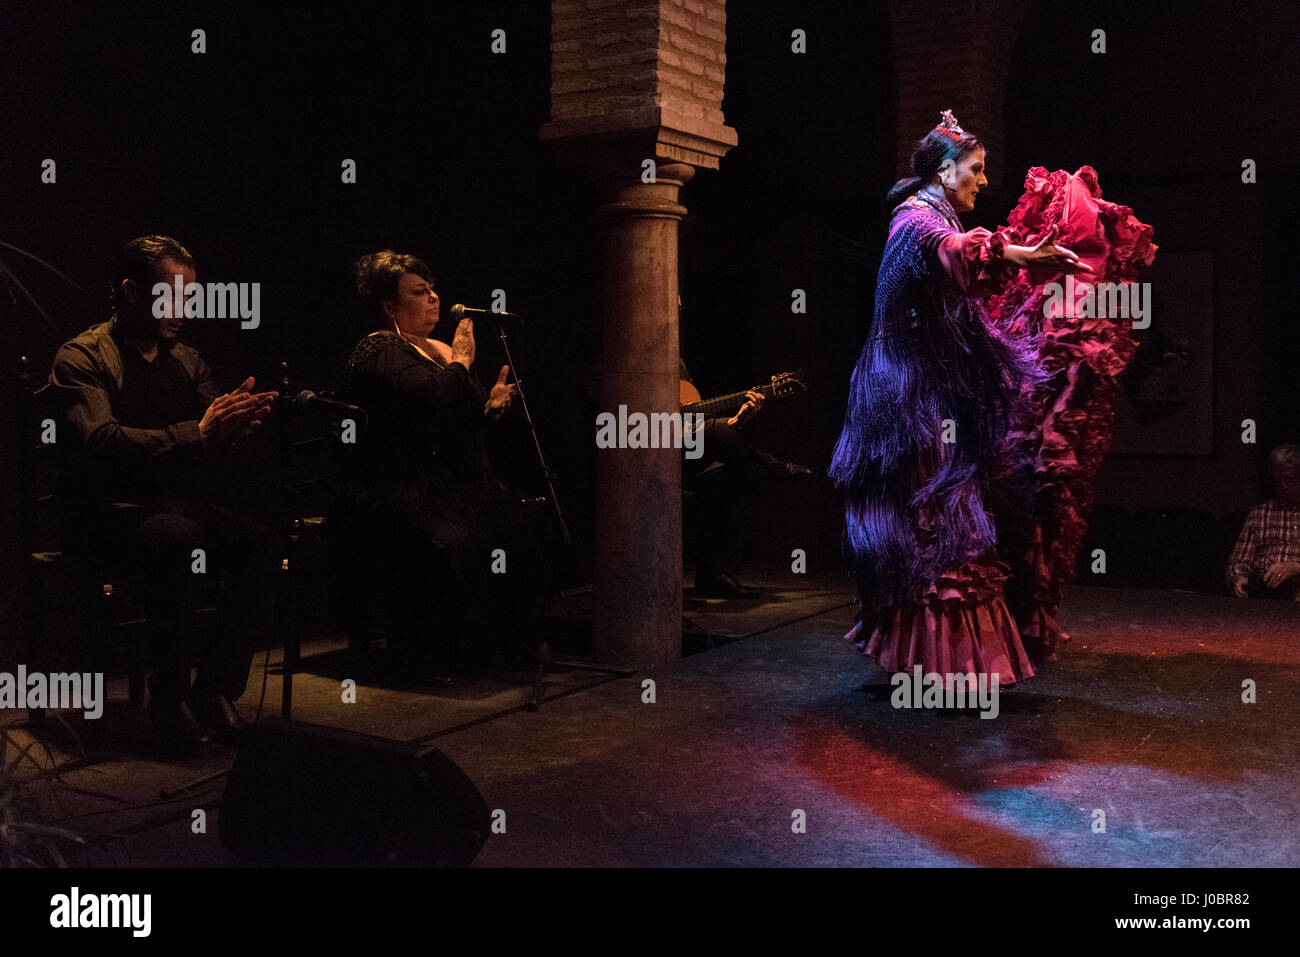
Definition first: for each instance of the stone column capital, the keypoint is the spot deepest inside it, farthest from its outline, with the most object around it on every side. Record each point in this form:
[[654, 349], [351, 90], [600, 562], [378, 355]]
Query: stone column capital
[[657, 199], [613, 148]]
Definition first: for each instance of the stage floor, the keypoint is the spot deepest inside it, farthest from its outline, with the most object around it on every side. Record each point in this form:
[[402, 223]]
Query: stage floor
[[1140, 718]]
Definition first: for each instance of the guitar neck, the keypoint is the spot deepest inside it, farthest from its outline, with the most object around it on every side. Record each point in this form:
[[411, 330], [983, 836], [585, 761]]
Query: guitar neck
[[727, 404]]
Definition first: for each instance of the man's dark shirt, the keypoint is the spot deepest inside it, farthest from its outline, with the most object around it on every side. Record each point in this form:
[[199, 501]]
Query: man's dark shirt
[[135, 422]]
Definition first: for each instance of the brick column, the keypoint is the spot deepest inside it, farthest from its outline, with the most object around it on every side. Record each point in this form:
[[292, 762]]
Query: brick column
[[953, 55], [635, 81]]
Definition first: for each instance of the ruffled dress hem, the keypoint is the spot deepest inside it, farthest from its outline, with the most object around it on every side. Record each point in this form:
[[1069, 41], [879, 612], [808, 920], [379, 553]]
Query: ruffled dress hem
[[957, 624]]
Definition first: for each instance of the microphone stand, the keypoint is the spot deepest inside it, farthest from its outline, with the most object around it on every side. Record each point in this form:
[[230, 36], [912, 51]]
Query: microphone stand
[[291, 529], [532, 428], [283, 630], [542, 654]]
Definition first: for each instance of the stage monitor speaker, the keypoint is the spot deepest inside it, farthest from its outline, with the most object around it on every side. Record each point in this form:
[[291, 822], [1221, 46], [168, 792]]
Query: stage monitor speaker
[[308, 796]]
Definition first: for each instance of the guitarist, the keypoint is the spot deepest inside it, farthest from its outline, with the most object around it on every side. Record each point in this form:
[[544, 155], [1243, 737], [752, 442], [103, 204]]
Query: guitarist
[[727, 481]]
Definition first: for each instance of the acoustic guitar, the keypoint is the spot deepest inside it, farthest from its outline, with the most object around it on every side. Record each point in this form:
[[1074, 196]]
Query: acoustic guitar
[[783, 384]]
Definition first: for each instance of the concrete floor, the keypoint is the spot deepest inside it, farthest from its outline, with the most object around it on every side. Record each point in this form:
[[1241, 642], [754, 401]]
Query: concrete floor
[[1140, 718]]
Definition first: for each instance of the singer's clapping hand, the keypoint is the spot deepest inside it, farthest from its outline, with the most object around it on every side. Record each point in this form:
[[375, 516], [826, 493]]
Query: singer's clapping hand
[[502, 394], [462, 344]]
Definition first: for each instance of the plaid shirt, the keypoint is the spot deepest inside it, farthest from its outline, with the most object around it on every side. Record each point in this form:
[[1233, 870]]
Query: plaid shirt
[[1271, 535]]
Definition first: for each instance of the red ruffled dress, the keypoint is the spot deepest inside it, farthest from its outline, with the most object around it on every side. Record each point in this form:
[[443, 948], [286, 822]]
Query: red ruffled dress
[[958, 623], [1073, 410]]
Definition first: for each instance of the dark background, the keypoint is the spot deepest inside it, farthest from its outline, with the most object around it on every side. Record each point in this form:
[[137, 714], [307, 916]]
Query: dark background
[[237, 153]]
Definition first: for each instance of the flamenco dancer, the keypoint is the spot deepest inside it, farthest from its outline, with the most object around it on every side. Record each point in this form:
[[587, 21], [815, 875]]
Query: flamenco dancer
[[926, 457]]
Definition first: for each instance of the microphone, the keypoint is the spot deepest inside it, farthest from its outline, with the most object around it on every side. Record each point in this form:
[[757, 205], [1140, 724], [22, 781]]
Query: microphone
[[459, 312], [309, 401]]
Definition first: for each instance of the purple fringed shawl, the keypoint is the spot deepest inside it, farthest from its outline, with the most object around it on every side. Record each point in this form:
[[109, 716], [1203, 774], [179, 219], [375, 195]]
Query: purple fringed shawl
[[916, 506]]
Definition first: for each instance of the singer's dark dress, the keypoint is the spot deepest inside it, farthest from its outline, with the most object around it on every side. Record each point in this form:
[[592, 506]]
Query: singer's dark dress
[[420, 462], [418, 511]]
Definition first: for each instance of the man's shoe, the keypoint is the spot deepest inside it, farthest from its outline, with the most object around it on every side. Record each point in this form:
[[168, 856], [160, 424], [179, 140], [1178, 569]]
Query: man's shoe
[[180, 732], [216, 712], [724, 586], [779, 468], [737, 584]]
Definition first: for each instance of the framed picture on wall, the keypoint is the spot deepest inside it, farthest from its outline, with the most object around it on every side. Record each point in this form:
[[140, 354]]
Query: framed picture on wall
[[1165, 403]]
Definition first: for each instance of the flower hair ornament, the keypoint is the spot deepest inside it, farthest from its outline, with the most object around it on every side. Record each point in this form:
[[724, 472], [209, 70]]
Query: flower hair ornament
[[949, 125]]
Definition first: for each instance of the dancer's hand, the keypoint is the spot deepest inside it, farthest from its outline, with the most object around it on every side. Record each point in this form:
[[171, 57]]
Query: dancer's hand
[[1046, 256], [1239, 585]]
